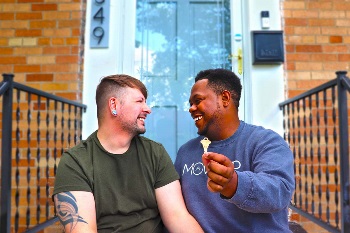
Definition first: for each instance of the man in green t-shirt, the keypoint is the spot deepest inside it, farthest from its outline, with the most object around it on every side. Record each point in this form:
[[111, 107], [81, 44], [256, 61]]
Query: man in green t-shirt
[[117, 180]]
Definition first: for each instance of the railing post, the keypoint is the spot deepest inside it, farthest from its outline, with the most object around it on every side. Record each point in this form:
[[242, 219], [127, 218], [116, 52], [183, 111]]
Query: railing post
[[6, 158], [344, 150]]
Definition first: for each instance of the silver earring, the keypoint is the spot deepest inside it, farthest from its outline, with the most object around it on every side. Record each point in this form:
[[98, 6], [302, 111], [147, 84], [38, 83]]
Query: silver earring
[[114, 112]]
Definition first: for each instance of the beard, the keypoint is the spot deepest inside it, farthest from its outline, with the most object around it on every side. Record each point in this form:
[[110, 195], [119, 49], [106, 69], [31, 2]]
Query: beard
[[133, 127], [211, 123]]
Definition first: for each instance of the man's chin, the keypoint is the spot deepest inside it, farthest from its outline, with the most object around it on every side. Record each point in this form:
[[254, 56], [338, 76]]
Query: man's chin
[[141, 131]]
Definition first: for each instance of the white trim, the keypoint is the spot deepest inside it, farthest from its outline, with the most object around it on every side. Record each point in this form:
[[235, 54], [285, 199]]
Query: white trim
[[263, 84]]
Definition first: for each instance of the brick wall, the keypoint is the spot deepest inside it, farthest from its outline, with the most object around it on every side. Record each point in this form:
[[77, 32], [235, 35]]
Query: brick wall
[[317, 44], [41, 43]]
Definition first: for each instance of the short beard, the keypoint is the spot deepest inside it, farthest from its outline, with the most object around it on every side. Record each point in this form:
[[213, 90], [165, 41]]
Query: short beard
[[212, 123], [133, 128]]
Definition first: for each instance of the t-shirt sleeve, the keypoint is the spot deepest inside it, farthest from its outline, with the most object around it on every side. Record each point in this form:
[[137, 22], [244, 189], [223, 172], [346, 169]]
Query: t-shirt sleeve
[[70, 176], [166, 172]]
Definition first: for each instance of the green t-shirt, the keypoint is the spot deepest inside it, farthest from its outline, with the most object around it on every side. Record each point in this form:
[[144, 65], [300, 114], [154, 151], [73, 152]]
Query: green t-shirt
[[123, 184]]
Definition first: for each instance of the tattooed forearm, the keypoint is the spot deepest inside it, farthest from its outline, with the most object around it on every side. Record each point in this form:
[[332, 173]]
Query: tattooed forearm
[[67, 210]]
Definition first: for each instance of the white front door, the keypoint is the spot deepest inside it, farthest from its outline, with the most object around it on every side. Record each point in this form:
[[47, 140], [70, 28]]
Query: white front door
[[174, 41]]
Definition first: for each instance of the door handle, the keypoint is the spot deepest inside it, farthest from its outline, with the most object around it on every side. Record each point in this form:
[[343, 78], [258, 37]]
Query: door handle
[[239, 57]]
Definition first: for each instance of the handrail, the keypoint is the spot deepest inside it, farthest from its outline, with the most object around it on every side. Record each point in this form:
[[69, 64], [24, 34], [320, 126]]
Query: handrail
[[318, 133], [6, 149], [42, 226], [47, 95], [54, 115], [309, 92]]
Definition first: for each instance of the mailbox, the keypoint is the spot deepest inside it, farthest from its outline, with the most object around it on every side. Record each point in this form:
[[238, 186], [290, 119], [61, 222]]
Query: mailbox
[[268, 47]]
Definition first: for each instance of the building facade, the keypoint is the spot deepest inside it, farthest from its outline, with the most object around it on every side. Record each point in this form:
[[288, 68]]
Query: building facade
[[64, 47]]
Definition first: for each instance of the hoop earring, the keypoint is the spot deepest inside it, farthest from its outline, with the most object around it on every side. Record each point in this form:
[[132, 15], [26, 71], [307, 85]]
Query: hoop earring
[[114, 112]]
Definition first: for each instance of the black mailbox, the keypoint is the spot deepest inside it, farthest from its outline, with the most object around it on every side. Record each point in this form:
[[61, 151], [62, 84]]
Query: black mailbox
[[268, 47]]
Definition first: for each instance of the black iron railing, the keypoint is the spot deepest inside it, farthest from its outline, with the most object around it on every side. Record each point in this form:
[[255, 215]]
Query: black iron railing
[[316, 127], [36, 128]]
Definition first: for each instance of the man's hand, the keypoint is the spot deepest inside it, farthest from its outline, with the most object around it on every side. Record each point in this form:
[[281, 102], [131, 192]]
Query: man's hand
[[221, 174]]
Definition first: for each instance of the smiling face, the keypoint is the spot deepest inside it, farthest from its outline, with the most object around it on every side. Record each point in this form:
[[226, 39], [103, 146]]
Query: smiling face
[[133, 111], [206, 109]]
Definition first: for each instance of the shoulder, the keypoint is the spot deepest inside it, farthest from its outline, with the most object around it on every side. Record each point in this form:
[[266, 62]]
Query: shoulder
[[261, 133], [262, 137], [79, 152]]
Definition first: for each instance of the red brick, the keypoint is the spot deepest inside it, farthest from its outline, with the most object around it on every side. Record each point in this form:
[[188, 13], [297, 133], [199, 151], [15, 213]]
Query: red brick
[[13, 60], [297, 57], [288, 30], [55, 68], [28, 15], [7, 16], [69, 23], [335, 48], [43, 24], [76, 32], [29, 1], [296, 22], [28, 50], [342, 6], [290, 65], [290, 48], [7, 32], [309, 84], [324, 57], [28, 32], [293, 93], [70, 95], [75, 50], [39, 77], [66, 59], [333, 66], [344, 57], [44, 7], [57, 41], [72, 41], [56, 50], [335, 39], [6, 69], [54, 32], [320, 5], [27, 68], [308, 48], [3, 41], [6, 51], [322, 22], [44, 41]]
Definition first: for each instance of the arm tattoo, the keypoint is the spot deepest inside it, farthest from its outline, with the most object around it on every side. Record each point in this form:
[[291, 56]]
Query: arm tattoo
[[67, 210]]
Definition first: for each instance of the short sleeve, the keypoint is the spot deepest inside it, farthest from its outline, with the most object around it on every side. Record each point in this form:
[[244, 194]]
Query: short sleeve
[[70, 176], [166, 170]]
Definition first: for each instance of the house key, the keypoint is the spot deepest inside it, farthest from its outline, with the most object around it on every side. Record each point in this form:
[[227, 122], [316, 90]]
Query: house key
[[205, 143]]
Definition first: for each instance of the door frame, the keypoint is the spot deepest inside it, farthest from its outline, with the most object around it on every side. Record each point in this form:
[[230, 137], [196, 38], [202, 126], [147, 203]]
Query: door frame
[[263, 85]]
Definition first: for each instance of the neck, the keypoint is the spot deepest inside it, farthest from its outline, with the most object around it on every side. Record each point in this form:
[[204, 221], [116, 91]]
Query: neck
[[113, 140]]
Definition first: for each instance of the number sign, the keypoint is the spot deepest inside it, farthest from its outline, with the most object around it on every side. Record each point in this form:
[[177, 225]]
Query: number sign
[[99, 32]]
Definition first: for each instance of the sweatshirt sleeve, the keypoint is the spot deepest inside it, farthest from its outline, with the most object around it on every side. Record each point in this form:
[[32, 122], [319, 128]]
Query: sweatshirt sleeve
[[269, 184]]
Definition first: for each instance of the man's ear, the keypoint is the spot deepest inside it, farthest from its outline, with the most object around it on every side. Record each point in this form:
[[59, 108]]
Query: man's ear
[[112, 103], [226, 98]]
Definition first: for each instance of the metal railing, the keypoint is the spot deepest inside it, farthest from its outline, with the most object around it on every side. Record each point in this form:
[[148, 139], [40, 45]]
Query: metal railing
[[316, 127], [36, 129]]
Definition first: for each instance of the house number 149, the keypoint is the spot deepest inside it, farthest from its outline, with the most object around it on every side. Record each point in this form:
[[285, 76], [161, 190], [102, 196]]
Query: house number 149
[[99, 31]]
